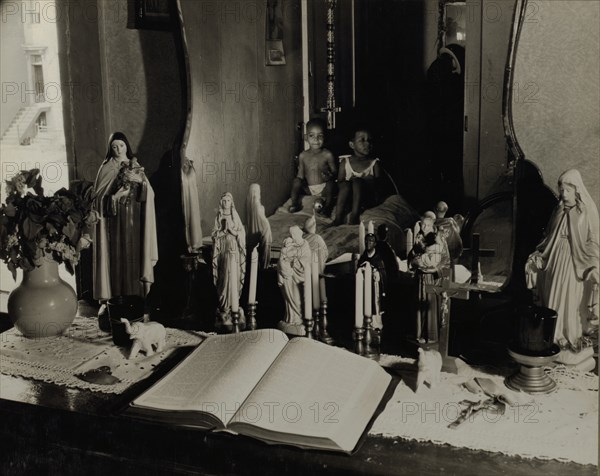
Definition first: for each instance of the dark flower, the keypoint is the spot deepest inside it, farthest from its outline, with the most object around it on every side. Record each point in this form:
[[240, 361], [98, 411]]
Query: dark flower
[[33, 226]]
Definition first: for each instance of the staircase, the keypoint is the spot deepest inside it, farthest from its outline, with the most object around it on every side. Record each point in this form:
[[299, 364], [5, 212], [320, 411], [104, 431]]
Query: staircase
[[23, 128]]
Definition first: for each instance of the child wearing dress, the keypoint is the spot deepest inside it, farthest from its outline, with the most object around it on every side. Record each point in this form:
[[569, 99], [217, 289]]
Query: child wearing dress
[[358, 174], [316, 170]]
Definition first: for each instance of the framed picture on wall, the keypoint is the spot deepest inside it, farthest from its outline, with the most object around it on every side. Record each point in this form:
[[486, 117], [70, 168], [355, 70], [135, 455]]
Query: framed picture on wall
[[151, 14]]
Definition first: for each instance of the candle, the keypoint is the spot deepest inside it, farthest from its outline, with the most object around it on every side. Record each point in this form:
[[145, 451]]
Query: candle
[[314, 279], [371, 227], [409, 241], [253, 276], [307, 294], [322, 289], [234, 281], [368, 303], [358, 299], [361, 238]]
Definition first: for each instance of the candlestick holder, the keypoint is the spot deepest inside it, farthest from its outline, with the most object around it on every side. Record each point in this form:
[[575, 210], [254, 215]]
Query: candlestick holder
[[309, 325], [371, 339], [359, 340], [235, 322], [252, 316], [322, 333], [191, 264], [317, 321]]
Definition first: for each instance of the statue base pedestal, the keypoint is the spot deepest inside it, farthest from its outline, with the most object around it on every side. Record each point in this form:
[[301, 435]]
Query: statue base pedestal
[[295, 329]]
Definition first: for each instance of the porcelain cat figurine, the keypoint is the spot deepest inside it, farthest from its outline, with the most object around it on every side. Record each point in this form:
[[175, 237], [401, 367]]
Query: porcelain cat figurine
[[430, 366], [145, 336]]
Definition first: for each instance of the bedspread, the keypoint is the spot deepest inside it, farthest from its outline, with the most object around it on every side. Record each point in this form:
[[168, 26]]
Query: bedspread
[[395, 212]]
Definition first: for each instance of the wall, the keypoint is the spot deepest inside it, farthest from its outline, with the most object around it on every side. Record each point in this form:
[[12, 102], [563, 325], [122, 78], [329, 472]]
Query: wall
[[81, 78], [121, 79], [141, 81], [557, 115], [244, 113]]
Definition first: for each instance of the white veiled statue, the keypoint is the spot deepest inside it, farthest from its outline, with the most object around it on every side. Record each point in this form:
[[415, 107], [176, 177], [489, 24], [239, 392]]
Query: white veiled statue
[[563, 270]]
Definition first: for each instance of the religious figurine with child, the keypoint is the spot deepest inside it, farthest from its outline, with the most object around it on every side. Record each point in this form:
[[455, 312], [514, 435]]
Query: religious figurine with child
[[429, 257], [317, 170], [228, 264], [125, 243], [294, 280], [563, 270], [357, 179]]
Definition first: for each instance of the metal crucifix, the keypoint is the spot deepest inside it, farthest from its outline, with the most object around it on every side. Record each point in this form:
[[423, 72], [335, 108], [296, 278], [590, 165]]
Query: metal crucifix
[[447, 289], [331, 107]]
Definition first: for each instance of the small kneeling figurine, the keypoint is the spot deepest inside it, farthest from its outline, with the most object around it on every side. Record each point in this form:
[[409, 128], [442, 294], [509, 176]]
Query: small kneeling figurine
[[430, 366], [145, 336]]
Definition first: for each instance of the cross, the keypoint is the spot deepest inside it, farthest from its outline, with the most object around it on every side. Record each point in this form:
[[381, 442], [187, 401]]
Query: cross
[[448, 290], [331, 109]]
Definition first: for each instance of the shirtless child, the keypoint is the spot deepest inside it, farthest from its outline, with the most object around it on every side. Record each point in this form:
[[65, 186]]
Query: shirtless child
[[317, 170]]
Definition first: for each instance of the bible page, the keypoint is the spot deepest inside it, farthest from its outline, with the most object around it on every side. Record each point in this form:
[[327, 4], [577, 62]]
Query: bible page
[[315, 390], [218, 376]]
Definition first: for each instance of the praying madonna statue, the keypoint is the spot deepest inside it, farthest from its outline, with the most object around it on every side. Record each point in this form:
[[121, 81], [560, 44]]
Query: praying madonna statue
[[228, 262]]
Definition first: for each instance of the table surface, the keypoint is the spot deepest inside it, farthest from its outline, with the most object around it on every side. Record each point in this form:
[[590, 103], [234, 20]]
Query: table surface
[[49, 429]]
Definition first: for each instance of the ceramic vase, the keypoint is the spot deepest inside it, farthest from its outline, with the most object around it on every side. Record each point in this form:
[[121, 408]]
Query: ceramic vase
[[43, 305]]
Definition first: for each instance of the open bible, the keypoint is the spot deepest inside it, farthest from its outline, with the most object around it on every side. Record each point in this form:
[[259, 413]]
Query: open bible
[[260, 384]]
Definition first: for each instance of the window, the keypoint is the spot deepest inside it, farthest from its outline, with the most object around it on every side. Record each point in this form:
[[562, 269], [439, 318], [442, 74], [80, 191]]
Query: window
[[31, 127]]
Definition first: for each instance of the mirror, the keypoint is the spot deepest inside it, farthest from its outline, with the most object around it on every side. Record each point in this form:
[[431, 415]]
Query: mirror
[[551, 110]]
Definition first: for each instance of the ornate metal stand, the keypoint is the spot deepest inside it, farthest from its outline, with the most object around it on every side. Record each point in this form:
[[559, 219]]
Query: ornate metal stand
[[251, 319], [531, 377]]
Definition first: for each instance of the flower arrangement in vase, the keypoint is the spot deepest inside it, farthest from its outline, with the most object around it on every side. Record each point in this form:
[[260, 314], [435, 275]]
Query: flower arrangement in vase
[[37, 233]]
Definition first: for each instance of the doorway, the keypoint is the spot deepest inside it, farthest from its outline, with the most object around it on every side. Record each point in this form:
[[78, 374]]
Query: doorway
[[382, 52]]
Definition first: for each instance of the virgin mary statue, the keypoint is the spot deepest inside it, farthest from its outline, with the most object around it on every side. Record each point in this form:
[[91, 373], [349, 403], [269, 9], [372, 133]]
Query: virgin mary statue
[[563, 271], [228, 262]]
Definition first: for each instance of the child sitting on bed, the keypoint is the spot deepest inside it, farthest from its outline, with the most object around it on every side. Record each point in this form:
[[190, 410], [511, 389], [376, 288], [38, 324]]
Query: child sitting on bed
[[357, 177], [316, 171]]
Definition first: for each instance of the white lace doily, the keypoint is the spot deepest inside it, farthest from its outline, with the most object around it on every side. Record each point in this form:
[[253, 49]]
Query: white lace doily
[[83, 348], [562, 425]]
